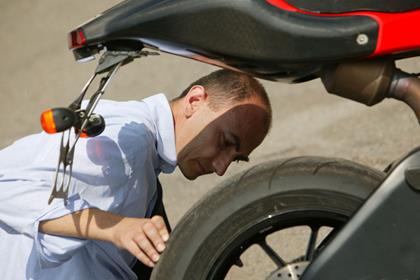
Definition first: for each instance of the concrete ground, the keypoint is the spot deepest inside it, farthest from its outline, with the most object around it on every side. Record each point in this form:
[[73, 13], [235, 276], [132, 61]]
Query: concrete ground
[[37, 72]]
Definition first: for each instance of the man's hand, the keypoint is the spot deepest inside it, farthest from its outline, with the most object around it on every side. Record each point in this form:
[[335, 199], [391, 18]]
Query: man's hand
[[144, 238]]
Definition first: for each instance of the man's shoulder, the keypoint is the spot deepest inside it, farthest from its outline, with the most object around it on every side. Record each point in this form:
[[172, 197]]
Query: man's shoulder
[[151, 108], [132, 108]]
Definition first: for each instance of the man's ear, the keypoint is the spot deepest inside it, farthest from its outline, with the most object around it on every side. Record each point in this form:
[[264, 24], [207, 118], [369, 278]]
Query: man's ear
[[194, 99]]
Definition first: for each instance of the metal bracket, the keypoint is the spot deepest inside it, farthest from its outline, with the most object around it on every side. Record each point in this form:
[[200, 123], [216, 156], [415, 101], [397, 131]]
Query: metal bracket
[[65, 160], [111, 58], [109, 63]]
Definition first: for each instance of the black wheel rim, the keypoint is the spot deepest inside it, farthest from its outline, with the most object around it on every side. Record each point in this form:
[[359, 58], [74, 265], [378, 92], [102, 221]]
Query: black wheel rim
[[257, 232]]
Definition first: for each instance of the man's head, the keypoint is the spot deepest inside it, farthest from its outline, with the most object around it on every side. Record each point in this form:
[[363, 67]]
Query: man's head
[[219, 118]]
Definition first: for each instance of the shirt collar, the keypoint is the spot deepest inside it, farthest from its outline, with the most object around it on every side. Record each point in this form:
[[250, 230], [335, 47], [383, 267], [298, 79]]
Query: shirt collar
[[165, 131]]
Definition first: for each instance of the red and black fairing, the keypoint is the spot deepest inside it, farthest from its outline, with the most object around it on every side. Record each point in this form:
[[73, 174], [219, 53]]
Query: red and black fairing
[[273, 39], [398, 21]]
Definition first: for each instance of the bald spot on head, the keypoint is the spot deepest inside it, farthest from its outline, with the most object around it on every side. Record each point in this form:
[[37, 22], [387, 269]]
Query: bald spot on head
[[227, 88]]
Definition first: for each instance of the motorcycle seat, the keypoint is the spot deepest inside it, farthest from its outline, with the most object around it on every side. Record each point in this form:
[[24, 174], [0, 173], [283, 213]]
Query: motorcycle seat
[[333, 6], [250, 35]]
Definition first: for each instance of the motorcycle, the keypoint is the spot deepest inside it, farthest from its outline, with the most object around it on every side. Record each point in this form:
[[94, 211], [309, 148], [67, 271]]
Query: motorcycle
[[352, 47]]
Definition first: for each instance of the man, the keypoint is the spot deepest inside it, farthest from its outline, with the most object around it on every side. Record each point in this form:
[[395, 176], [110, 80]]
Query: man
[[106, 223]]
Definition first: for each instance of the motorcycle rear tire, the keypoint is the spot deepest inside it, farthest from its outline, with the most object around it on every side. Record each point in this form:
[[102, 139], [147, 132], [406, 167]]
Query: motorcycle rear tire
[[297, 188]]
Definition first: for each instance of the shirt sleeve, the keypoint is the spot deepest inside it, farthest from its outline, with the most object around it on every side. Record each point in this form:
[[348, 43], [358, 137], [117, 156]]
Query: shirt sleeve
[[52, 249], [23, 205]]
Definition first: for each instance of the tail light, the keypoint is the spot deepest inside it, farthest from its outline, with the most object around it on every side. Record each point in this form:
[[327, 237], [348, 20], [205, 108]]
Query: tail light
[[76, 39]]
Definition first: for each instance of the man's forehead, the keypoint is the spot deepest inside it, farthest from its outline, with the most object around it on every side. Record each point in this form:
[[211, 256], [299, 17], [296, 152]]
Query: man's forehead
[[242, 118], [247, 128], [247, 114]]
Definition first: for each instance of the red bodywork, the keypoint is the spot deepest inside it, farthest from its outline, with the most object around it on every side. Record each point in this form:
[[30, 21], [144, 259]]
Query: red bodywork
[[398, 32]]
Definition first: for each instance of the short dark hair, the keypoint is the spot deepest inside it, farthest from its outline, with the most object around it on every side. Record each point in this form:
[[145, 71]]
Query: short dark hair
[[225, 87]]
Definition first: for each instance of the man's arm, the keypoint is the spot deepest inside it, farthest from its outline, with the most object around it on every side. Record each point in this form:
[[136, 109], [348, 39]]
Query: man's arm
[[143, 238]]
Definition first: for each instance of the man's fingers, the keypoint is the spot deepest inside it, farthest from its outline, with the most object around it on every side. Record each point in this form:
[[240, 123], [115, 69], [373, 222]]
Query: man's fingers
[[161, 227], [152, 233], [134, 249], [144, 244]]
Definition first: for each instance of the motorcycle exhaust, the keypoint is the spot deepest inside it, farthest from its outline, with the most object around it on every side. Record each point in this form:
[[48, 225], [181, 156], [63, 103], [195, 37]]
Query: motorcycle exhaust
[[406, 87], [371, 81]]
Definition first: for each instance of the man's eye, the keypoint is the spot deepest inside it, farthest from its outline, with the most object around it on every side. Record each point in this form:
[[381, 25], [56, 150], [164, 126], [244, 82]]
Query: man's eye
[[225, 142]]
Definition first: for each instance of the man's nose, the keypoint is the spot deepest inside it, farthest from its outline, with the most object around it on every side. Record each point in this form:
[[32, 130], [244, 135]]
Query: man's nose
[[221, 163]]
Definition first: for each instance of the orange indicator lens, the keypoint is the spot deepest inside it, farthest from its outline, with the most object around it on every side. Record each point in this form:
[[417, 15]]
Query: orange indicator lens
[[47, 122], [84, 135]]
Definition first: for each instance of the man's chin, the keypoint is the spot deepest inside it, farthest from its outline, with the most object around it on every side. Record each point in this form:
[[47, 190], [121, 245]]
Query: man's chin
[[191, 178], [188, 175]]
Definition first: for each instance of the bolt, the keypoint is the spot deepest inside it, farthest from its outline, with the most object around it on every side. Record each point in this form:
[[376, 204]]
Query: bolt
[[362, 39]]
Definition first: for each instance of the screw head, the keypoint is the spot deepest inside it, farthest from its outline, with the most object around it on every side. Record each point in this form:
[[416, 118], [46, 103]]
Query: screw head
[[362, 39]]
